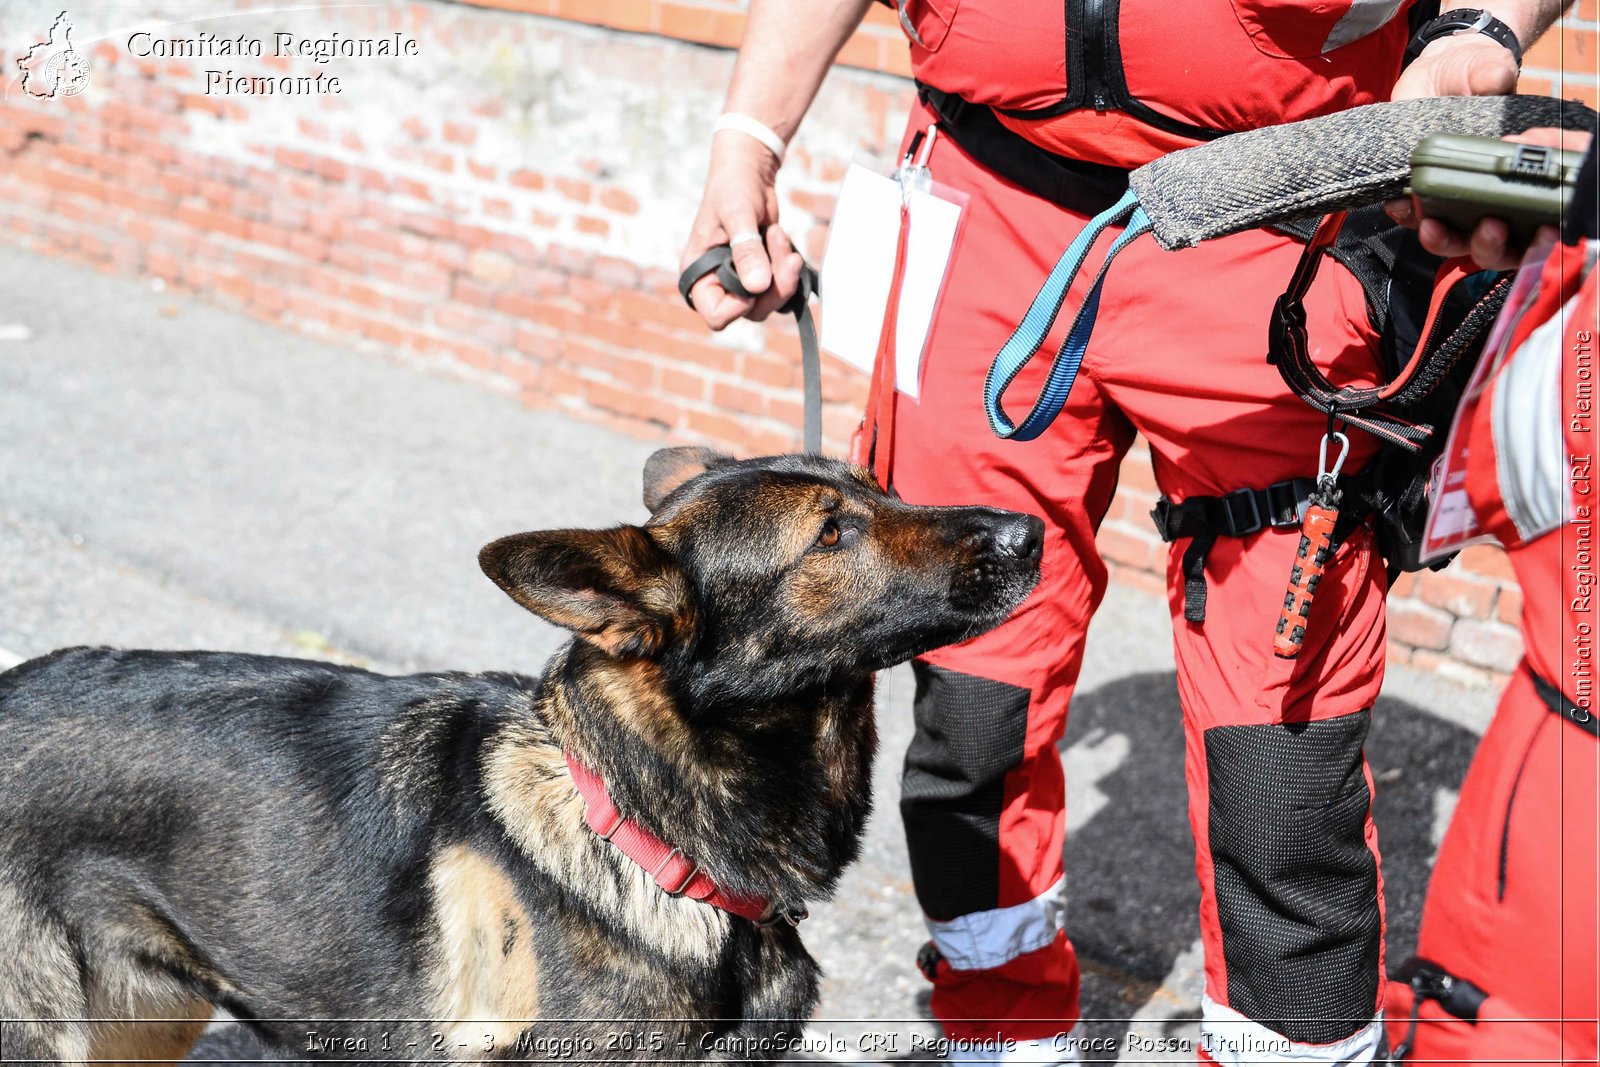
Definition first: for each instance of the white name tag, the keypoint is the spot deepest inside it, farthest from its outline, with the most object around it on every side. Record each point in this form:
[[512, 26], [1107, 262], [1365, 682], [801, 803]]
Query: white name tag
[[858, 267]]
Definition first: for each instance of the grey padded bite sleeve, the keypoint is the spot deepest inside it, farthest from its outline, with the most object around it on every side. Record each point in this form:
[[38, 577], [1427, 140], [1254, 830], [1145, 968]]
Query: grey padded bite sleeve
[[1308, 168]]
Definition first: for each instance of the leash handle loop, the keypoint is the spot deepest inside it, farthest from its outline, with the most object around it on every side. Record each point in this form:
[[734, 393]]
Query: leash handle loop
[[719, 258], [1041, 316]]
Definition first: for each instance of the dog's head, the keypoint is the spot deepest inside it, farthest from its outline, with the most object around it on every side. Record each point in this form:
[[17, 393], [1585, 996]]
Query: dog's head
[[759, 578]]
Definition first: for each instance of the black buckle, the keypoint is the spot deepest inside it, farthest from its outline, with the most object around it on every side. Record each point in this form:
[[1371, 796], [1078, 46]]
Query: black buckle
[[1234, 527], [1162, 515], [1286, 503]]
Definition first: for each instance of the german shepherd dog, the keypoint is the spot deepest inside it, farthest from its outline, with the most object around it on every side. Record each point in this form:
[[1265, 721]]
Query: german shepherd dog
[[366, 866]]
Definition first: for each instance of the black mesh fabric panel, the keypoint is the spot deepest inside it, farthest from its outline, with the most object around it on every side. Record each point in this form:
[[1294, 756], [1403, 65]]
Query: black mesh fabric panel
[[1297, 887], [970, 732]]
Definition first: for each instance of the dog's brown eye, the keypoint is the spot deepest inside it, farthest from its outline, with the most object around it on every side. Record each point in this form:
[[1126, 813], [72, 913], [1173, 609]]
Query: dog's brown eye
[[829, 537]]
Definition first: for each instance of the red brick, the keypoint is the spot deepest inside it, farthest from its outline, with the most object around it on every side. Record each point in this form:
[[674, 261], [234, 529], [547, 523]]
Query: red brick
[[720, 429], [764, 370], [1419, 625], [526, 179], [1459, 595], [575, 189], [1154, 582], [639, 308], [495, 268], [691, 22], [619, 200], [1509, 607], [1121, 544], [616, 272], [683, 383], [591, 225], [1486, 561], [1563, 48], [536, 343], [630, 402], [731, 397]]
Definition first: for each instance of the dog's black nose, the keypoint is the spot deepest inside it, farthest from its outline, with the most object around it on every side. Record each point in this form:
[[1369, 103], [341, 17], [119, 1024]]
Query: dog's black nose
[[1007, 533], [1021, 536]]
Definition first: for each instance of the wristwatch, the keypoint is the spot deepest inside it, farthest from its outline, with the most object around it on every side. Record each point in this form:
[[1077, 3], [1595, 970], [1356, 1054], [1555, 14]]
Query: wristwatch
[[1464, 20]]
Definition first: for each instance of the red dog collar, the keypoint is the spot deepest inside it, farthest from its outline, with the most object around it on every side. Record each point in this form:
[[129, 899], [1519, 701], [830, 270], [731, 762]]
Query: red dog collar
[[672, 870]]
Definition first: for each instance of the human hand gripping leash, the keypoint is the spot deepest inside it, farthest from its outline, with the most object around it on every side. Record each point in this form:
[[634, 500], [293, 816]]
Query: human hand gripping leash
[[719, 258]]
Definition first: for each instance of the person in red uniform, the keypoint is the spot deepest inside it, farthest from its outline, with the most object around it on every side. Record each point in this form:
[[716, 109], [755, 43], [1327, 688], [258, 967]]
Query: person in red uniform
[[1508, 957], [1043, 107]]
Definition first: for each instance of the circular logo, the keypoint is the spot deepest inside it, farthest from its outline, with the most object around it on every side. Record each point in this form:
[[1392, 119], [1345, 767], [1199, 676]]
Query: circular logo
[[67, 73]]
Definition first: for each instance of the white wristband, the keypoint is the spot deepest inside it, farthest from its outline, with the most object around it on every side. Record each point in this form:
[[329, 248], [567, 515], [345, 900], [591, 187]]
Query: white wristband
[[750, 127]]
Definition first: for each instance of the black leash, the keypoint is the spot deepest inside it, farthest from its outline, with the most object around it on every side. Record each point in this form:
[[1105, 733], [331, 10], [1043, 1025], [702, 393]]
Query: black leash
[[720, 260], [1379, 410]]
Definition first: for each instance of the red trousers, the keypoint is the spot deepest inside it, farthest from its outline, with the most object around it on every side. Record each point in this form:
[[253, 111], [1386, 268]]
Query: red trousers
[[1514, 901], [1511, 903], [1291, 906]]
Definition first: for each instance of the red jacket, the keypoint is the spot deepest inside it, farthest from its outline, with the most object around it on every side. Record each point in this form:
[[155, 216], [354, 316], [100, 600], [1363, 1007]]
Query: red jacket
[[1124, 81]]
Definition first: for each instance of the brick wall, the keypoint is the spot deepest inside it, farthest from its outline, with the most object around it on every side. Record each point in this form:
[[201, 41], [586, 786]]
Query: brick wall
[[509, 203]]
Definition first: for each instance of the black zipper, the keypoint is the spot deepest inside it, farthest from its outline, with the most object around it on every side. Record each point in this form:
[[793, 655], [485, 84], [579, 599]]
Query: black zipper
[[1096, 93], [1071, 19], [1094, 73], [1505, 827]]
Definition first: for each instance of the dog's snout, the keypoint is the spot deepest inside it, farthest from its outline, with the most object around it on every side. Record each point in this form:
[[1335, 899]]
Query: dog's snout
[[1007, 533], [1021, 536]]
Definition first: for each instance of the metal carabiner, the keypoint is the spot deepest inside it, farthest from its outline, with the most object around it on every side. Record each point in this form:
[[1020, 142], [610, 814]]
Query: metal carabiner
[[1322, 456]]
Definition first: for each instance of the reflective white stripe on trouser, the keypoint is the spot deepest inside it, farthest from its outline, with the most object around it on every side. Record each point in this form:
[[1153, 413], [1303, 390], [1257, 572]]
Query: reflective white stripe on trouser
[[1530, 447], [1364, 17], [1235, 1041], [986, 939]]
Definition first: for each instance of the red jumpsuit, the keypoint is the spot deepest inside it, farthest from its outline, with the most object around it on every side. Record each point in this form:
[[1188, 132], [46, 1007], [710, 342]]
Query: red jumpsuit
[[1512, 902], [1291, 907]]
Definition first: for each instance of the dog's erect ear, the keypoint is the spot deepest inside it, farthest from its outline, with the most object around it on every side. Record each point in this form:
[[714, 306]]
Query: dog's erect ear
[[671, 467], [614, 588]]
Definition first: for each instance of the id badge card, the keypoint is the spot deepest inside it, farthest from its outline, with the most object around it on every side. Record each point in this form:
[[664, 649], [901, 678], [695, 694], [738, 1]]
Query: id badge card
[[1452, 524], [858, 269]]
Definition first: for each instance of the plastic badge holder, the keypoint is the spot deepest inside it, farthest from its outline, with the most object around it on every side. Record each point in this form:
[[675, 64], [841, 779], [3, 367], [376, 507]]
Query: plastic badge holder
[[1460, 180]]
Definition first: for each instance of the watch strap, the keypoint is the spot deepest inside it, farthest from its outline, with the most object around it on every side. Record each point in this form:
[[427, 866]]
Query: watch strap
[[1464, 20]]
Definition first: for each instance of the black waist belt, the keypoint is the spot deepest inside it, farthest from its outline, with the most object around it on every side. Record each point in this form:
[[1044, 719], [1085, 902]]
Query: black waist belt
[[1238, 514], [1085, 188], [1281, 505], [1558, 702]]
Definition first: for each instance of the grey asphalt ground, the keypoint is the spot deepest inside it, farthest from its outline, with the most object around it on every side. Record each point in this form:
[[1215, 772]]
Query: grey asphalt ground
[[176, 476]]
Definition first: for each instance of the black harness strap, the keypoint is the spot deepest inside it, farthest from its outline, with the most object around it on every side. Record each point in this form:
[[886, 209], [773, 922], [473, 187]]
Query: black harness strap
[[1077, 185], [1371, 408], [720, 260], [1562, 705], [1238, 514]]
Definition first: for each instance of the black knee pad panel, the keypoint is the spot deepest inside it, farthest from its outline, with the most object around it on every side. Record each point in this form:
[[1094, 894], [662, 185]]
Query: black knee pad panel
[[1296, 884], [970, 732]]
